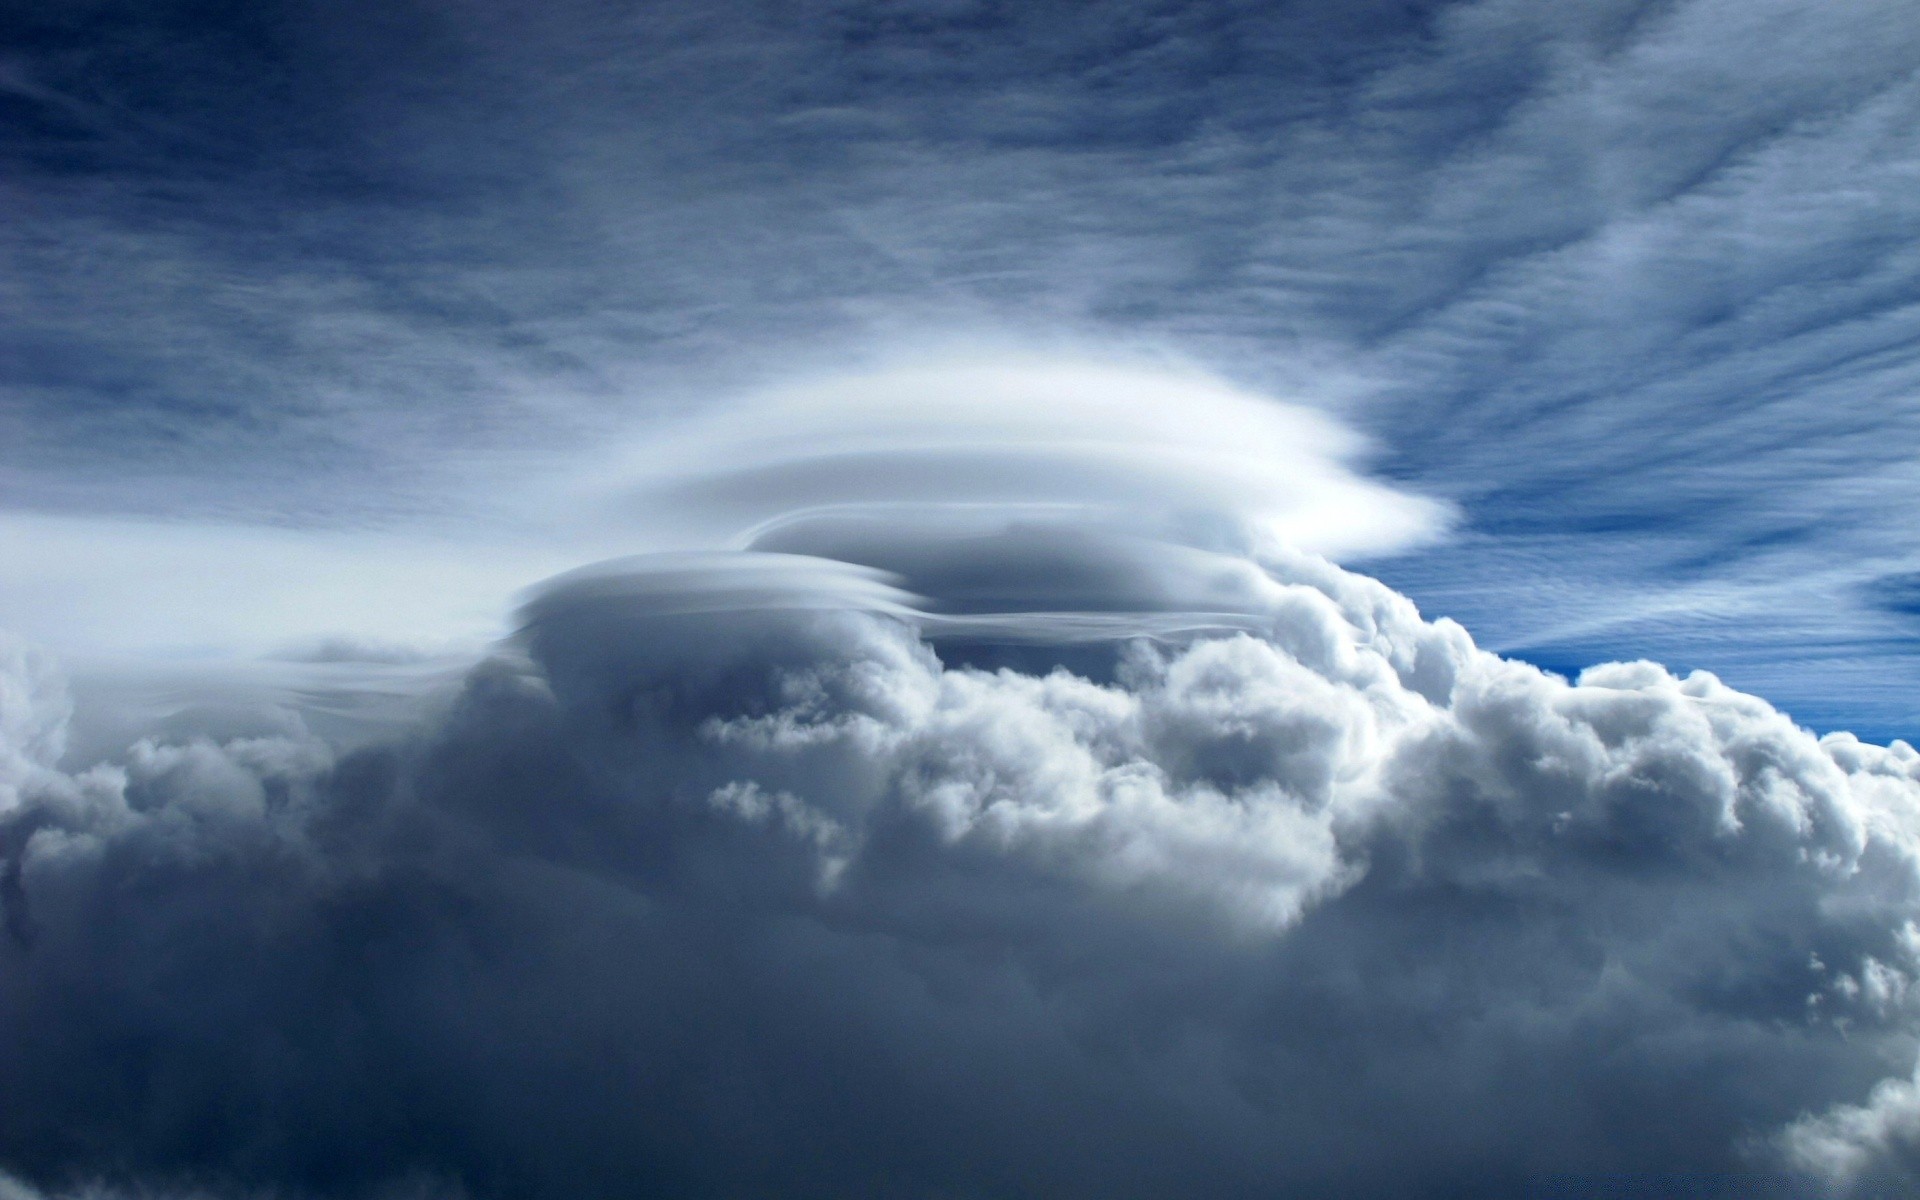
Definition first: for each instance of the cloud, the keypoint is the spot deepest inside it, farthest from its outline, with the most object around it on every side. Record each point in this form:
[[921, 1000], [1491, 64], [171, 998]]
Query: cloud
[[726, 880], [34, 709], [1007, 810], [1861, 1144], [939, 442], [102, 586], [1632, 276], [1643, 315], [924, 452]]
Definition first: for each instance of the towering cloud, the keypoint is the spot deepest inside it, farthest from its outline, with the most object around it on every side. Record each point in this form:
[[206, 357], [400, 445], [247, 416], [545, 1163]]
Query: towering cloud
[[1010, 811], [758, 874]]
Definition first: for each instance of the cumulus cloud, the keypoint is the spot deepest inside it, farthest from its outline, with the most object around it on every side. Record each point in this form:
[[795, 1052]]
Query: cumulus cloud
[[1008, 810], [1855, 1144], [34, 709], [744, 875]]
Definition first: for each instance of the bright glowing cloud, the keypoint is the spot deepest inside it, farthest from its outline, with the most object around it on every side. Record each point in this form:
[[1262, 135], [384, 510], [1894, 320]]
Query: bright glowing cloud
[[940, 449], [958, 443]]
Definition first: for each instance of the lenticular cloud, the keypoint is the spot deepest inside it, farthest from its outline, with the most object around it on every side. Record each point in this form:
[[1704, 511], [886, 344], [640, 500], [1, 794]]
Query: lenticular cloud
[[1013, 814], [771, 873]]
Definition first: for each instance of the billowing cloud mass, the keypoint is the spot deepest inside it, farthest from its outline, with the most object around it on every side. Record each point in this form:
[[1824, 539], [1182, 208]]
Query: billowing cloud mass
[[955, 753], [1001, 803], [755, 873]]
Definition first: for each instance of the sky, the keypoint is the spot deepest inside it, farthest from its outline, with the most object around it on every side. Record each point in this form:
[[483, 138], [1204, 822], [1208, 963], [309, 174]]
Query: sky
[[959, 598], [1631, 285]]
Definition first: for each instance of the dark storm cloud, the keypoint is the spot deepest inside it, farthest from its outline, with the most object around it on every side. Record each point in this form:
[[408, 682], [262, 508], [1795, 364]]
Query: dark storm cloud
[[731, 886]]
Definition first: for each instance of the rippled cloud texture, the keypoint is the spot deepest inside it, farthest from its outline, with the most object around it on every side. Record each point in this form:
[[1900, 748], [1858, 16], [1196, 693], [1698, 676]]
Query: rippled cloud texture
[[1634, 283]]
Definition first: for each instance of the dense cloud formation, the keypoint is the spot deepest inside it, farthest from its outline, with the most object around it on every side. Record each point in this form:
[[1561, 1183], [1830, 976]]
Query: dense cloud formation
[[940, 442], [978, 802], [767, 874]]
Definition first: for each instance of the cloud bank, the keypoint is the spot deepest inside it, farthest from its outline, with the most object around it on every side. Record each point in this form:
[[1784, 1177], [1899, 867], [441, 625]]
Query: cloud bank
[[1005, 807], [1632, 283], [741, 874]]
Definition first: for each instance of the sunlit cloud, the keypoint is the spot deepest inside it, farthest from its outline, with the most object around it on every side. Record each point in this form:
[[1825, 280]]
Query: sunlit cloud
[[940, 598]]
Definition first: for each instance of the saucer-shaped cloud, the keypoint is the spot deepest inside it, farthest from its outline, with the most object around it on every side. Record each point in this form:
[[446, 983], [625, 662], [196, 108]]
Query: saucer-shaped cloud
[[1140, 447]]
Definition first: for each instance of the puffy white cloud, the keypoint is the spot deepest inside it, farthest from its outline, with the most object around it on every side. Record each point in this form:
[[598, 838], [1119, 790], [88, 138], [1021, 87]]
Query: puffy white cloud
[[1852, 1145], [743, 874], [943, 441], [34, 709], [1010, 818]]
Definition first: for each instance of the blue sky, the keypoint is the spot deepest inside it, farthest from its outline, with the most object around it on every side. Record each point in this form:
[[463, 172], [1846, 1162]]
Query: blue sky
[[1634, 286]]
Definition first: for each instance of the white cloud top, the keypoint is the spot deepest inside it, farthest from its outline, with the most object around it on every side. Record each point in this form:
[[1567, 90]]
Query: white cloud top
[[1275, 892]]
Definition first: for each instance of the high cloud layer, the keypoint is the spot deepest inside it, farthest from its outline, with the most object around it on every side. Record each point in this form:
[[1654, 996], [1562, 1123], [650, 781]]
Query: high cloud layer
[[1002, 814], [964, 443], [761, 874], [1633, 282]]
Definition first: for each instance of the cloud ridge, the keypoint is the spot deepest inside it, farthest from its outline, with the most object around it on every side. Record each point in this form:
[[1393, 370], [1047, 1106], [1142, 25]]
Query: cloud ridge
[[783, 891]]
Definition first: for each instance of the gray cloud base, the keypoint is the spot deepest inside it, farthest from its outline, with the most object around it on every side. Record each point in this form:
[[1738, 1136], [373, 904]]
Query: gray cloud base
[[732, 877]]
